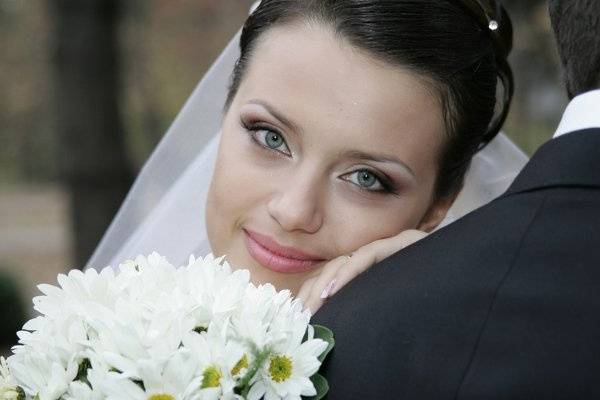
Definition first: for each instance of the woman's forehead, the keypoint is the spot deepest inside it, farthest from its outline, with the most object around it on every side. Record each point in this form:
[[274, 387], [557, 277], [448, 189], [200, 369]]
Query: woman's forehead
[[325, 85]]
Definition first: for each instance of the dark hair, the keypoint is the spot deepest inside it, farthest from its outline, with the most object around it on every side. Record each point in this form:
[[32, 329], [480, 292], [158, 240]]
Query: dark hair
[[446, 41], [576, 25]]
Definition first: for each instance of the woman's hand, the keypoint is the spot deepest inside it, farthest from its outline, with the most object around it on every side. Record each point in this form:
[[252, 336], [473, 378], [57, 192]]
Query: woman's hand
[[339, 271]]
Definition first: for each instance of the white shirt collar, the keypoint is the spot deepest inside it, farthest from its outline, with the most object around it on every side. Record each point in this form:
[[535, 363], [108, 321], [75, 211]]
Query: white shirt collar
[[583, 112]]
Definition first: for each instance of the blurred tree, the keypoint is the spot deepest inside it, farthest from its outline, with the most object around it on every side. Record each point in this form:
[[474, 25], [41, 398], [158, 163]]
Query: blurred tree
[[92, 155]]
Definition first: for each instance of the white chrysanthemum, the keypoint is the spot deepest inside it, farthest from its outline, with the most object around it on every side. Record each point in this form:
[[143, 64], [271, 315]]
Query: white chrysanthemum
[[52, 346], [287, 372], [220, 362], [147, 321], [156, 332], [81, 391], [134, 331], [61, 339], [8, 387], [173, 379], [215, 291], [255, 317], [40, 375], [94, 373], [76, 289]]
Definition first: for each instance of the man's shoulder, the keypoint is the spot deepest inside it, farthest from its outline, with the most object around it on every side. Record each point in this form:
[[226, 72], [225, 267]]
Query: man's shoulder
[[464, 260], [437, 313], [420, 311]]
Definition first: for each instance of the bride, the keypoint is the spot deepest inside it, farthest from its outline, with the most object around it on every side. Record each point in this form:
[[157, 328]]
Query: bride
[[348, 127]]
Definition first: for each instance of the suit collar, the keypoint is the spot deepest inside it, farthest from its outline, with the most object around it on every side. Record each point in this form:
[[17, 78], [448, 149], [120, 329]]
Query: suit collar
[[569, 160], [581, 113]]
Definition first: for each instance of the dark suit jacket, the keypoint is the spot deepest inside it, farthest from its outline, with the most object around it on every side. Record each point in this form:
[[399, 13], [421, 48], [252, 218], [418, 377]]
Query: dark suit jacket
[[502, 304]]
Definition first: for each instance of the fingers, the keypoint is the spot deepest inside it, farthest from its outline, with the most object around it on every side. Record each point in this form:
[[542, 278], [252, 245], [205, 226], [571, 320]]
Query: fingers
[[341, 270], [305, 289], [370, 254], [314, 292], [362, 260]]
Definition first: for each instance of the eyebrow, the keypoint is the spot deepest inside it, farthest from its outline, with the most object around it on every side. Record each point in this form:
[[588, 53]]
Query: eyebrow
[[361, 155], [277, 114]]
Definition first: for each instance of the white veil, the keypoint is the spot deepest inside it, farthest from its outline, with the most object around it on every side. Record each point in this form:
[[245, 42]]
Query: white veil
[[164, 210]]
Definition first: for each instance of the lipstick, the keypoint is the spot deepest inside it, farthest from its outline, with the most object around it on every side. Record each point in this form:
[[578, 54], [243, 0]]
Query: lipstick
[[271, 255]]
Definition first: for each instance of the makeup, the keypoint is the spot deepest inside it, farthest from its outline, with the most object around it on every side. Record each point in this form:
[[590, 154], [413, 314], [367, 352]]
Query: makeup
[[268, 253]]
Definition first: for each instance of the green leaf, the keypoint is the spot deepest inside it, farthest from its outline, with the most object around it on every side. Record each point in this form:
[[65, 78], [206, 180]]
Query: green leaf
[[200, 329], [82, 371], [325, 334], [321, 386], [21, 393]]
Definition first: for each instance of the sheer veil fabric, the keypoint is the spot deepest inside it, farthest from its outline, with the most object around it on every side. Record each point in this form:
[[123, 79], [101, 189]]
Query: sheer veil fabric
[[164, 210]]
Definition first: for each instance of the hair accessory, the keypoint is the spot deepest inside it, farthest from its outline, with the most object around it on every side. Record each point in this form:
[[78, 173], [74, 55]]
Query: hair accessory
[[493, 18], [492, 15]]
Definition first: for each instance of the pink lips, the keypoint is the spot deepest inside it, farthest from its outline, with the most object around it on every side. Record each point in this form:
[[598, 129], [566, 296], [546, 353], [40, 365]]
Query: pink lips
[[278, 258]]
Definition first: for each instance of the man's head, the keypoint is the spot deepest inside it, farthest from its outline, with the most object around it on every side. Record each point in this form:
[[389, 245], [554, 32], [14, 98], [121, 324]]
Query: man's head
[[576, 25]]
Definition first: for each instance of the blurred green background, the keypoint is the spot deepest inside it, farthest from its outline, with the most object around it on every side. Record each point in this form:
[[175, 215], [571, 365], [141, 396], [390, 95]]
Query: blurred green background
[[88, 87]]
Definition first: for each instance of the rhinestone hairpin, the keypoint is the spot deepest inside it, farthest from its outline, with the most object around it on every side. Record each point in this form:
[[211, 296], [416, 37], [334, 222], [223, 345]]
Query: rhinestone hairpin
[[493, 25]]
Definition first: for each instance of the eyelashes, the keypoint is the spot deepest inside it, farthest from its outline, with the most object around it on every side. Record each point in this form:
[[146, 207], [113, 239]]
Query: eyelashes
[[268, 138], [365, 179], [369, 180]]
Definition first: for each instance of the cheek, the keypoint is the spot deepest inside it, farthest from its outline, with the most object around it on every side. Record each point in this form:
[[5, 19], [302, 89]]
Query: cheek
[[365, 220], [235, 194], [364, 225]]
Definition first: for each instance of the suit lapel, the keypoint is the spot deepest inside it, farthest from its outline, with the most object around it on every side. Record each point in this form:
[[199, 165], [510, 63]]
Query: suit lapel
[[569, 160]]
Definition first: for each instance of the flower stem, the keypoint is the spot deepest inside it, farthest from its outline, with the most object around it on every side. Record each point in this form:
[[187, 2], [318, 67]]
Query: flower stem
[[259, 358]]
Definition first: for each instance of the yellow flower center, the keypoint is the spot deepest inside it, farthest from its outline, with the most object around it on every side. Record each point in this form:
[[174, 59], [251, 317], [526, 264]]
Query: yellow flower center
[[161, 396], [211, 377], [243, 363], [8, 392], [280, 368]]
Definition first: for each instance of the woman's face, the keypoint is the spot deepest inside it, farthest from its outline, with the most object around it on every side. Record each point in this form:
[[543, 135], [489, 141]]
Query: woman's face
[[323, 150]]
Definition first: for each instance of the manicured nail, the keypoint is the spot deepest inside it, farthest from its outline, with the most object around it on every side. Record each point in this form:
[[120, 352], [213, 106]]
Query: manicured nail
[[328, 289]]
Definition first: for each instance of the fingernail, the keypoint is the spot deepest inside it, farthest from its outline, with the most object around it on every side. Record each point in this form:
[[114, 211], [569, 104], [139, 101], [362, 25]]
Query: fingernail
[[328, 289]]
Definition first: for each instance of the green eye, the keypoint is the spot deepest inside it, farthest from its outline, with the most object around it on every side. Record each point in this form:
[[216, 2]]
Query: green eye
[[366, 178], [273, 140], [269, 139]]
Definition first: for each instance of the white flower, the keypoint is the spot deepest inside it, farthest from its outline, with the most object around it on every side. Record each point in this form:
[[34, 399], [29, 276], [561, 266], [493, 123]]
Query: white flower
[[8, 387], [76, 289], [214, 290], [156, 332], [39, 374], [255, 317], [81, 391], [170, 380], [221, 362], [88, 388], [287, 372]]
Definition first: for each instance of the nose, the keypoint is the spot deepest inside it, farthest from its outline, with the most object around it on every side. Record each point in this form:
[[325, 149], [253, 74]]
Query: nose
[[296, 206]]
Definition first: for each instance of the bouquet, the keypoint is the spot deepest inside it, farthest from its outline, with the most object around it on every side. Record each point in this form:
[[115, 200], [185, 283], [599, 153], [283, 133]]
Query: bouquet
[[155, 332]]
